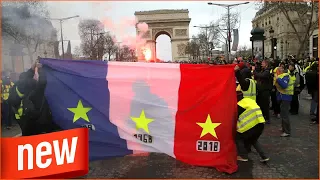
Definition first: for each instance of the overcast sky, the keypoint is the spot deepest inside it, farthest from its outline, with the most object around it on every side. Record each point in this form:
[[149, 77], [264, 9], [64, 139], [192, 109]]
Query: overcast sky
[[118, 12]]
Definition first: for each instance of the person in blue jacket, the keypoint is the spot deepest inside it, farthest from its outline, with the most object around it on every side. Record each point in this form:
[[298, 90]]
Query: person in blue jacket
[[285, 90]]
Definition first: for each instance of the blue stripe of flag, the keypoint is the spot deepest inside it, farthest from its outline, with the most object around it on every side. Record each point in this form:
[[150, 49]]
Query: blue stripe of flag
[[69, 81]]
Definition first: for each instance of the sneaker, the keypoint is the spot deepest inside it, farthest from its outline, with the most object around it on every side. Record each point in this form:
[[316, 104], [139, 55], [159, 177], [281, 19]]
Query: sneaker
[[263, 160], [281, 130], [239, 158], [278, 116], [285, 135], [8, 127]]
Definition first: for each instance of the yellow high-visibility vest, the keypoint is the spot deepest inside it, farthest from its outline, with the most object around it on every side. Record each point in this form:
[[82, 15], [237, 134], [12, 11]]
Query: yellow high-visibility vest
[[274, 75], [19, 113], [251, 92], [290, 89], [250, 117], [309, 66], [294, 78], [5, 91]]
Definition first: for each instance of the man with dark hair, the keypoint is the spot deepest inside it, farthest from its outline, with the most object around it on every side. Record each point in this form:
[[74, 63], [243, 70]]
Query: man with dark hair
[[246, 84], [264, 87]]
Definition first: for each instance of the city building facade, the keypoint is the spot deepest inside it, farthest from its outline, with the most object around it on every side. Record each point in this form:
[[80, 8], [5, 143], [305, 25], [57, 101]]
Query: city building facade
[[17, 57], [281, 40], [313, 44]]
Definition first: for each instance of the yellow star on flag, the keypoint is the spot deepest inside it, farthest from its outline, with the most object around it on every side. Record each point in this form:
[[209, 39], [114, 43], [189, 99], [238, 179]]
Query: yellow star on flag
[[142, 122], [208, 127], [80, 112]]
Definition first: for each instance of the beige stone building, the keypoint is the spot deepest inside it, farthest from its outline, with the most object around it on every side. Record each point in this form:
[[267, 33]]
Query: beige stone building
[[286, 40], [20, 62], [313, 44]]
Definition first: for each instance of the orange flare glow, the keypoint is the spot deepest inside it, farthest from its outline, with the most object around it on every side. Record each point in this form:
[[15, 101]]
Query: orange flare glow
[[147, 54]]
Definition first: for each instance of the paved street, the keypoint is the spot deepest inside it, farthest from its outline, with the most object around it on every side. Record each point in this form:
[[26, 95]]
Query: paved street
[[294, 157]]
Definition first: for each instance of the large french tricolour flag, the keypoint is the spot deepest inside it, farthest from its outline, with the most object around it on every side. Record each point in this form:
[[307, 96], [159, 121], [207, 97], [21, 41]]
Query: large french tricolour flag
[[185, 111]]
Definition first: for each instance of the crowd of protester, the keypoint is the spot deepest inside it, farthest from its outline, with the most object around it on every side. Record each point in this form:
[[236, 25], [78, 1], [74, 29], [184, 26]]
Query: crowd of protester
[[259, 85]]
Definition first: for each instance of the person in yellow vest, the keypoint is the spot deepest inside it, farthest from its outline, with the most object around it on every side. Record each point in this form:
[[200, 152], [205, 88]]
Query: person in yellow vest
[[250, 125], [294, 76], [285, 91], [309, 65], [6, 85], [246, 85]]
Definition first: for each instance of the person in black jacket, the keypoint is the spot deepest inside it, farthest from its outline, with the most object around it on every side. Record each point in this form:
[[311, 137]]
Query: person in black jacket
[[264, 87], [312, 82], [27, 100]]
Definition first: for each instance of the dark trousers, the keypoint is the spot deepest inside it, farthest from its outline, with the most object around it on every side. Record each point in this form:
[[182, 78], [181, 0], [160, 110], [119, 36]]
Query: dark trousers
[[294, 106], [316, 119], [5, 111], [275, 103], [28, 126], [263, 100], [285, 106], [317, 116], [245, 140]]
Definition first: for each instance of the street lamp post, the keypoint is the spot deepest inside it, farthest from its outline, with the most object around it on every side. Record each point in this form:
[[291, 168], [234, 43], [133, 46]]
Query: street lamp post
[[206, 28], [281, 49], [61, 20], [271, 31], [228, 7]]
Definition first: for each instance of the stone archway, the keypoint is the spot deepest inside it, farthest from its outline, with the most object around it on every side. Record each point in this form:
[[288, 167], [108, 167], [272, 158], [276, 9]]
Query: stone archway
[[174, 23]]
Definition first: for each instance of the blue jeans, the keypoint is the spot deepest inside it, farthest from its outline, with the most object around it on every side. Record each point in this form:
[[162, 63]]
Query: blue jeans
[[314, 103]]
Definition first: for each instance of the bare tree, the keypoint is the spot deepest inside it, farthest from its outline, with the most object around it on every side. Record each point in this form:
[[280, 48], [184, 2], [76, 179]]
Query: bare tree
[[110, 46], [127, 54], [244, 51], [27, 24], [298, 14], [214, 34], [193, 48], [219, 28], [77, 51], [91, 35]]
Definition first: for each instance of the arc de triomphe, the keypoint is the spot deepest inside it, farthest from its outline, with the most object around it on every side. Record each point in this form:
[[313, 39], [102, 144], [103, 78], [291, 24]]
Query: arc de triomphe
[[174, 23]]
